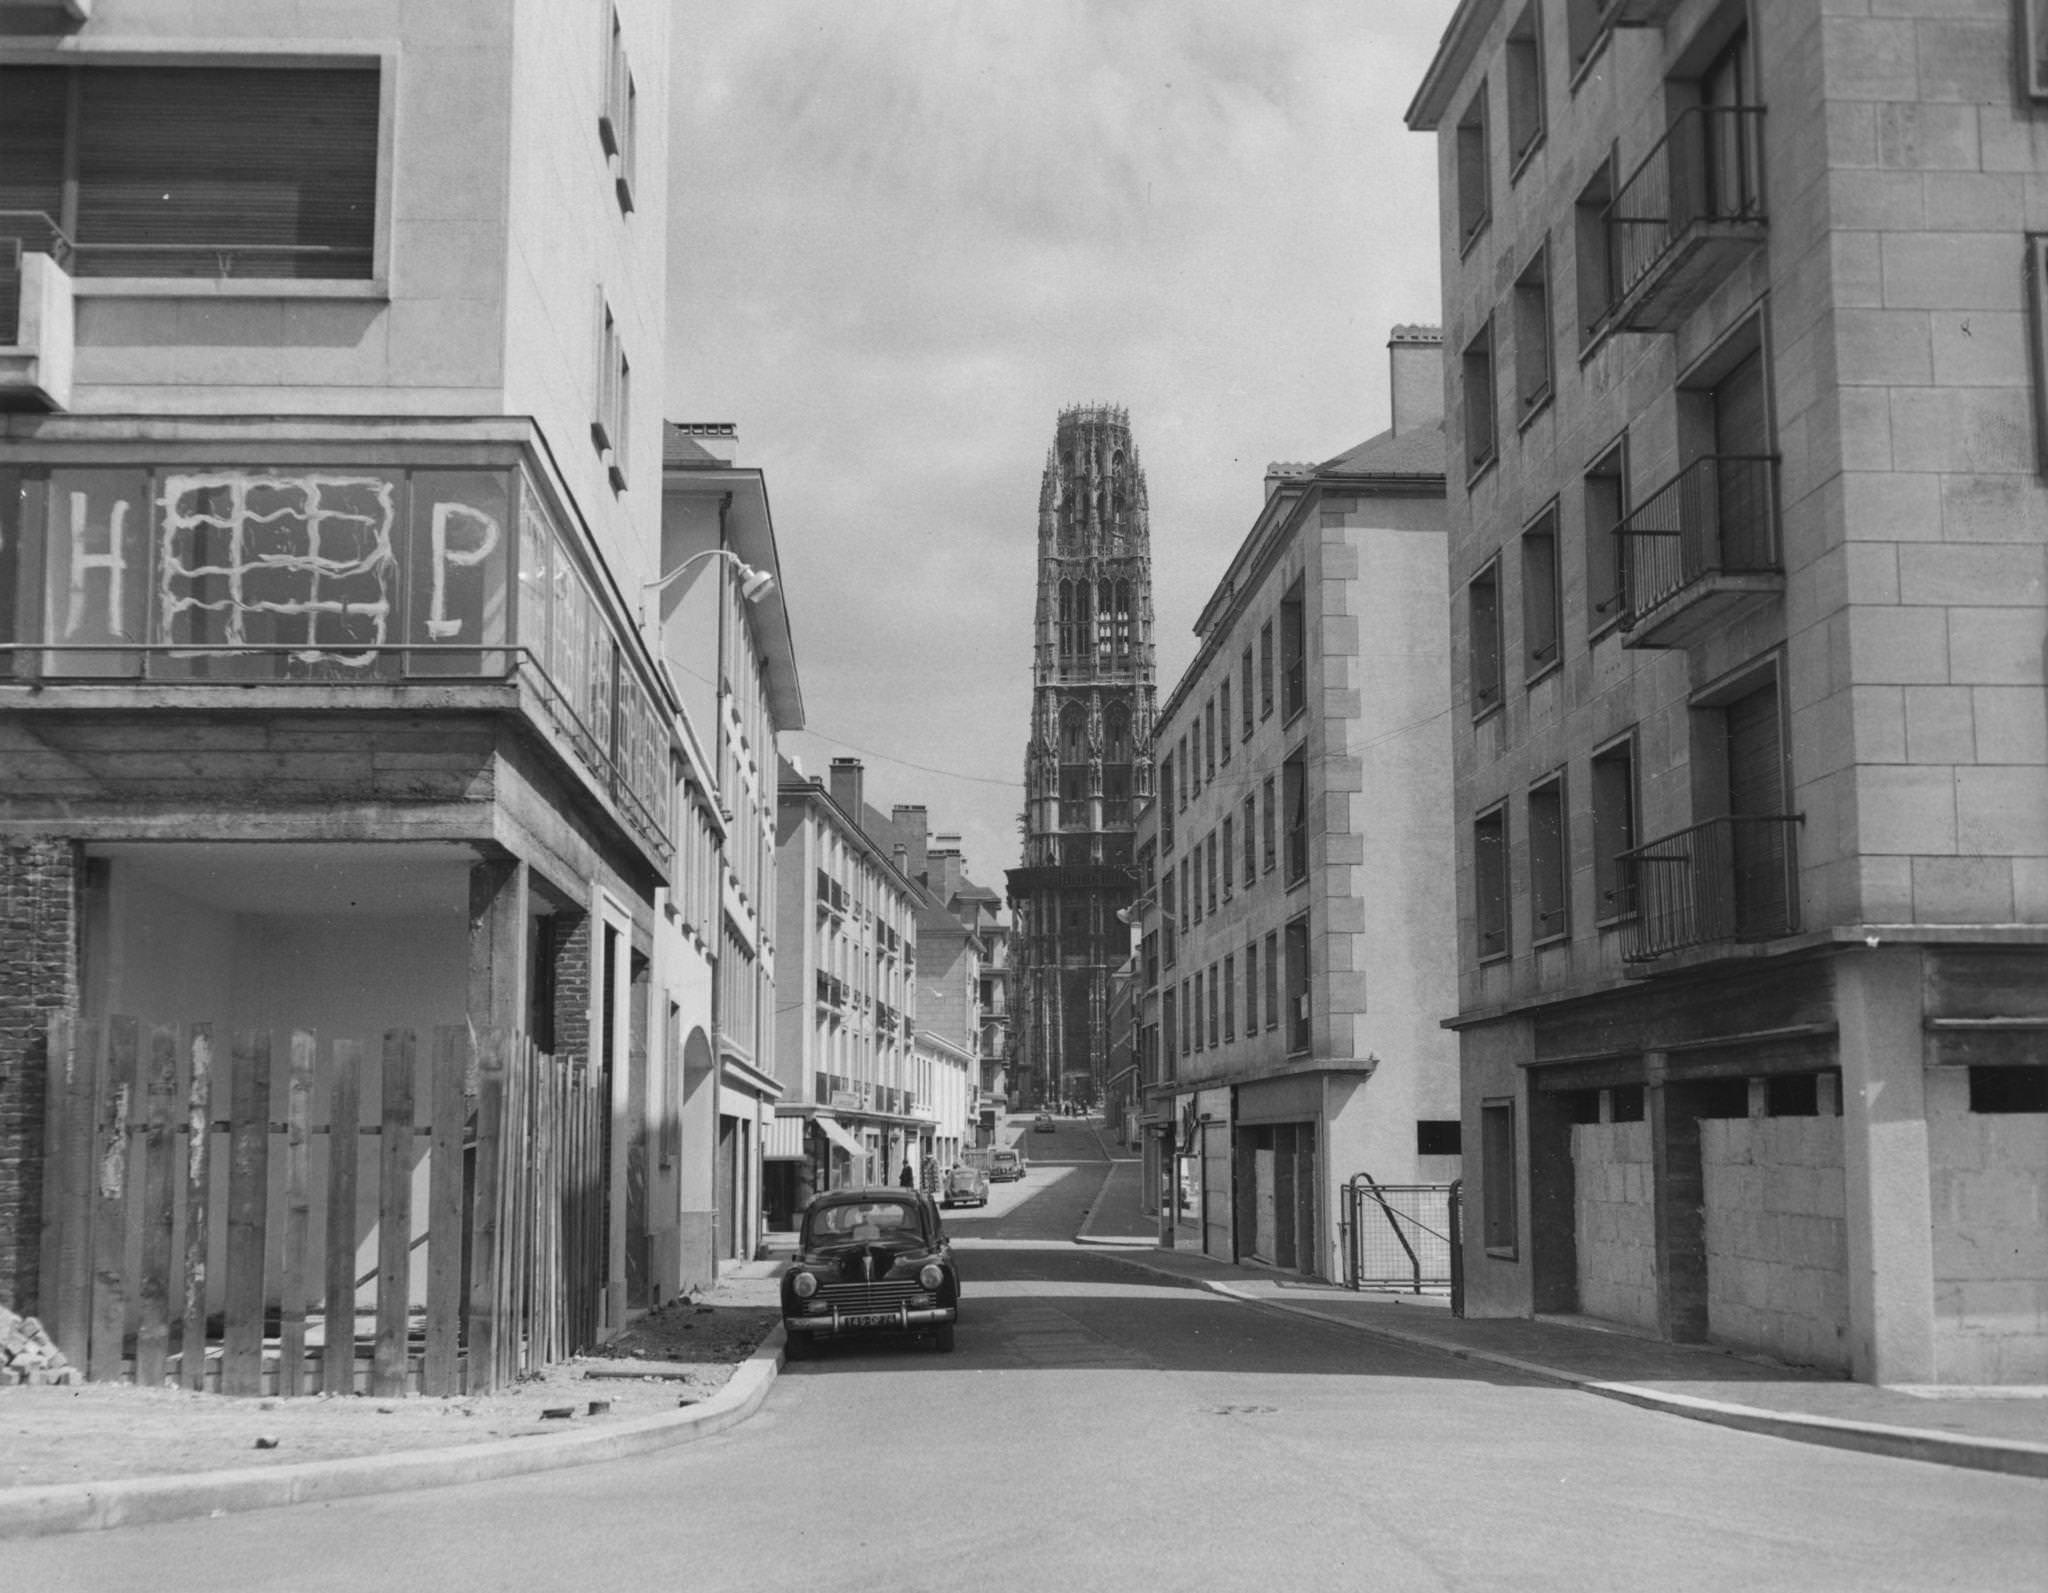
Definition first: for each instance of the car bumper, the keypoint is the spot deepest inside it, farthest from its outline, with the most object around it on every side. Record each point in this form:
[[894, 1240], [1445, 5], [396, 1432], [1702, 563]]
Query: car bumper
[[900, 1319]]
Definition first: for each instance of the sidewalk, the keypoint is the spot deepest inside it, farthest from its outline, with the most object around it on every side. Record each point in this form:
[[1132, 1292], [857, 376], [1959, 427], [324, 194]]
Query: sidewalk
[[1985, 1429]]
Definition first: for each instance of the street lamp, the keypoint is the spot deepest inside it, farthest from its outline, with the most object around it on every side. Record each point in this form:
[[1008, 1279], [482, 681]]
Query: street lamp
[[754, 583]]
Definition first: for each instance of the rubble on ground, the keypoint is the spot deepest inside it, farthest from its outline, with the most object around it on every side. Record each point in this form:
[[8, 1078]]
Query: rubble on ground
[[28, 1355]]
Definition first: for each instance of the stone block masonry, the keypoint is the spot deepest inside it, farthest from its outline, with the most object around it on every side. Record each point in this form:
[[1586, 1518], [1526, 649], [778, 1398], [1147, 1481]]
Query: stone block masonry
[[1617, 1238], [38, 976], [1990, 1195], [1777, 1244]]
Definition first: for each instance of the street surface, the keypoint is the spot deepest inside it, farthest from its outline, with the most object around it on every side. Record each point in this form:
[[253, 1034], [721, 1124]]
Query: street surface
[[1100, 1427]]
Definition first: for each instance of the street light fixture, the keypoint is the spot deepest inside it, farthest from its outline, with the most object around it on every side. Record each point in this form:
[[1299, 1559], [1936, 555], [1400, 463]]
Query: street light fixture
[[754, 584]]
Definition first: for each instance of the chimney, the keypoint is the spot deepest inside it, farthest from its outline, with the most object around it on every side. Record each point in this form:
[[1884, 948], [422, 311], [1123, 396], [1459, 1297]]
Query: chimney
[[847, 783], [911, 826], [947, 853], [1415, 355]]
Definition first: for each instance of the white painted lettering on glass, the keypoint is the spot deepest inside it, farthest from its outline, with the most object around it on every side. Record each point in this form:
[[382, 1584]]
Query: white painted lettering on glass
[[483, 543], [114, 561]]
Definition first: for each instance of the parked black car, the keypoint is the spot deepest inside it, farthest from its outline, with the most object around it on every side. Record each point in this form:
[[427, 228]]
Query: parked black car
[[870, 1261]]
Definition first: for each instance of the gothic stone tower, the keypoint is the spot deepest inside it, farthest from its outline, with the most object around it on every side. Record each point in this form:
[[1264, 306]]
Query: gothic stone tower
[[1089, 760]]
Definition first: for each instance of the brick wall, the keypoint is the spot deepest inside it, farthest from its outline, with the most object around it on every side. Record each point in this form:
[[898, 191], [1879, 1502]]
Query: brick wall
[[573, 974], [1777, 1245], [38, 974], [1614, 1221], [1990, 1198]]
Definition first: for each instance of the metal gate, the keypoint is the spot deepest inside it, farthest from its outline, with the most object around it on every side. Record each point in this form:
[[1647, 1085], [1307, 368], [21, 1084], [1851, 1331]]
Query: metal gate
[[1401, 1236]]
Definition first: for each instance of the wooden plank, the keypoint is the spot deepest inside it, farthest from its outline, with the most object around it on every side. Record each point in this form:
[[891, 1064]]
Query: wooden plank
[[58, 1038], [110, 1204], [338, 1300], [484, 1216], [241, 1357], [394, 1215], [198, 1200], [298, 1217], [65, 1289], [444, 1211], [159, 1210]]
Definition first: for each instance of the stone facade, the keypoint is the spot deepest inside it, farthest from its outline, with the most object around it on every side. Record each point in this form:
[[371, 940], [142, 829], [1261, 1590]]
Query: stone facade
[[1617, 1240], [1777, 1241]]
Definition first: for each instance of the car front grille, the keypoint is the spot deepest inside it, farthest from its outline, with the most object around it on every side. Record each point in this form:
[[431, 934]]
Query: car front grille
[[883, 1295]]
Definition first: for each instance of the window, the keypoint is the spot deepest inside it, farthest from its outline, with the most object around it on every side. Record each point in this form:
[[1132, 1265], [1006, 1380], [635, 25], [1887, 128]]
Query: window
[[1273, 981], [1294, 794], [1606, 505], [1195, 757], [1245, 691], [1474, 197], [1532, 336], [1166, 804], [1186, 907], [1229, 855], [1541, 621], [2034, 19], [1549, 864], [197, 171], [1187, 1023], [610, 426], [1169, 1026], [1477, 368], [1251, 854], [1587, 24], [2009, 1089], [1166, 914], [1614, 830], [1265, 669], [1298, 1036], [1183, 755], [1209, 739], [1268, 824], [1594, 247], [1293, 652], [1482, 616], [1223, 720], [1525, 85], [1198, 1010], [1439, 1136], [1490, 882], [1251, 987], [1229, 998], [1214, 1030], [1209, 869], [615, 124], [1499, 1227]]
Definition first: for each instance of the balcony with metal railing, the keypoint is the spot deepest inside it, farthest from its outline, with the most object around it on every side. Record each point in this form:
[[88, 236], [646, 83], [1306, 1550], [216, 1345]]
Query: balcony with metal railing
[[1728, 880], [1701, 551], [1688, 214]]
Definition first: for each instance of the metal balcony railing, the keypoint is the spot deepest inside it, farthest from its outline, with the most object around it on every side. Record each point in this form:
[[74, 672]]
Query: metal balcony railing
[[1728, 879], [1704, 176], [1718, 516]]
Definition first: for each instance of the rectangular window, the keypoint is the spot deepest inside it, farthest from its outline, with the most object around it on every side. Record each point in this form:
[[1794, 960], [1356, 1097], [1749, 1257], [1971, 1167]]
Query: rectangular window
[[1223, 720], [1541, 620], [1273, 981], [197, 171], [1532, 336], [1166, 804], [1229, 855], [1298, 1028], [1199, 1033], [1549, 864], [1245, 690], [1169, 1027], [1498, 1177], [1525, 85], [1614, 830], [1209, 739], [2034, 16], [615, 124], [1587, 24], [1475, 198], [1167, 911], [1593, 249], [1251, 988], [1265, 669], [1229, 998], [1195, 757], [1187, 1020], [1251, 842], [1490, 882], [1269, 824], [1482, 620], [1293, 651], [610, 423], [1476, 369], [1439, 1136], [1209, 869], [1182, 753], [1186, 907], [2009, 1089], [1606, 504], [1294, 795]]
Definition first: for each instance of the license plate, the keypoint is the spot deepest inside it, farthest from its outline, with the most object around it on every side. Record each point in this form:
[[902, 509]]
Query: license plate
[[869, 1319]]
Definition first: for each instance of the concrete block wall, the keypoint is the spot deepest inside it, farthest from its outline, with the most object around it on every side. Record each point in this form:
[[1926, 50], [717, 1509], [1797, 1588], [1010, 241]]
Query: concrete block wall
[[1617, 1237], [1989, 1177], [38, 974], [1777, 1244]]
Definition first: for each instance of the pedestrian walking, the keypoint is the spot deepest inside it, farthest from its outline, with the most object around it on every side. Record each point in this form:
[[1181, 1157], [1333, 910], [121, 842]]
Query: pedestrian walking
[[906, 1178]]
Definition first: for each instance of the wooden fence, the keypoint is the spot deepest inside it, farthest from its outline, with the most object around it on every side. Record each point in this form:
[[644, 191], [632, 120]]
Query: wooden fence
[[231, 1252]]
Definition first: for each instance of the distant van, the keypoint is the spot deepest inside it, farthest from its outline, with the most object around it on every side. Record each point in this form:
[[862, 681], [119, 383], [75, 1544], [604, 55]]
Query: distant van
[[1005, 1166]]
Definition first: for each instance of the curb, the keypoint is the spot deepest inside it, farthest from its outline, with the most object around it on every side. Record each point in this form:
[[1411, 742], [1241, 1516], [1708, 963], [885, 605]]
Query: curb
[[2012, 1457], [95, 1506]]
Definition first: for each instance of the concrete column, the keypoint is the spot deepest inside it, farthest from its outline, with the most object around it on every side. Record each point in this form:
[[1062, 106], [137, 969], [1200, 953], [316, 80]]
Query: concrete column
[[497, 945], [1884, 1165], [1678, 1194]]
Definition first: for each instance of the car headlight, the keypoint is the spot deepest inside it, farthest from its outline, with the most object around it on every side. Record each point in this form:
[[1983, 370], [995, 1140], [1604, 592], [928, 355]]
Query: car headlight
[[804, 1285], [931, 1275]]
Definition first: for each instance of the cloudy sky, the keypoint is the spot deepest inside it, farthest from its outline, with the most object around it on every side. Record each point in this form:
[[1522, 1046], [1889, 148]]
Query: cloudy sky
[[908, 232]]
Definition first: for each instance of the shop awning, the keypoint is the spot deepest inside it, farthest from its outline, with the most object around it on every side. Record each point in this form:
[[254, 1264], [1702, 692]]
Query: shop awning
[[839, 1136], [785, 1140]]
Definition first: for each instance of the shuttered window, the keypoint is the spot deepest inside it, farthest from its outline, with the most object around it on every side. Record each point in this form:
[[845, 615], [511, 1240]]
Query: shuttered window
[[199, 171]]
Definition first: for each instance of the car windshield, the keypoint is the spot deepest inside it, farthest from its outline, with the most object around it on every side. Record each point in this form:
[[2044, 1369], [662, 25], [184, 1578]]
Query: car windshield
[[863, 1222]]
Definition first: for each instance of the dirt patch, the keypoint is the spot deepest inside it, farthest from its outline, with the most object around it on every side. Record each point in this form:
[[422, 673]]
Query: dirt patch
[[102, 1431]]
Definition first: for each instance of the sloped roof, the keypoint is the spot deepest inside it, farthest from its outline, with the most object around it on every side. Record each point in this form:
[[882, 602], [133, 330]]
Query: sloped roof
[[1419, 452]]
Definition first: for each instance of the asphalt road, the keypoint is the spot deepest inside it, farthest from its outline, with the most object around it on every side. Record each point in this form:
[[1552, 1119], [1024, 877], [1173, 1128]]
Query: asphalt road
[[1100, 1428]]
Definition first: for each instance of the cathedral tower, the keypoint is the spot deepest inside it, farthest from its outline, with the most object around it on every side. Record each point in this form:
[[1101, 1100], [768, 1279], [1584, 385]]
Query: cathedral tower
[[1088, 762]]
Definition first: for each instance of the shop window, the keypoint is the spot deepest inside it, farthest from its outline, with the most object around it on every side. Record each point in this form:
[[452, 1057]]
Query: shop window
[[1541, 599], [1499, 1225], [1482, 639], [1475, 198], [2009, 1089], [1490, 882], [1439, 1136], [1549, 864]]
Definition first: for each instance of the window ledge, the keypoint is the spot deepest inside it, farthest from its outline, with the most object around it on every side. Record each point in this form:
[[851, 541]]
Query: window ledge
[[1478, 468], [1521, 161], [1493, 957], [1532, 408], [1481, 712], [1502, 1253], [1562, 938], [1606, 626], [1478, 231], [1545, 670], [371, 288], [1594, 51]]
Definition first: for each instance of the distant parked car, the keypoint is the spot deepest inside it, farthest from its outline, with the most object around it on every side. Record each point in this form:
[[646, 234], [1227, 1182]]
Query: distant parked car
[[965, 1186], [1042, 1123], [1005, 1166], [870, 1261]]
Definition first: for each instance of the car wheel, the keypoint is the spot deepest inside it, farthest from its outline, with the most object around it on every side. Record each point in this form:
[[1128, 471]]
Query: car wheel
[[943, 1337], [798, 1348]]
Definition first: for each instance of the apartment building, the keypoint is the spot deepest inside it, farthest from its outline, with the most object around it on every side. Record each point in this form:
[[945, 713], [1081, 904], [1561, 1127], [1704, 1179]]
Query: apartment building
[[1297, 941], [1747, 604]]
